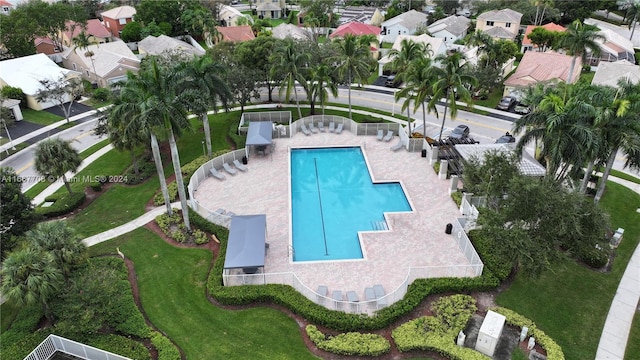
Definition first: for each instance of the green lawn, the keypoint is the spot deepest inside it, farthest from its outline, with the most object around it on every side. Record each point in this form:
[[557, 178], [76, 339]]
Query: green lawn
[[570, 302], [633, 344], [172, 289], [40, 117]]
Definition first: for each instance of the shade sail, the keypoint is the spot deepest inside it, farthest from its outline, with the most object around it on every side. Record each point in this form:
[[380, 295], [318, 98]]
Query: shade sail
[[259, 133], [245, 248]]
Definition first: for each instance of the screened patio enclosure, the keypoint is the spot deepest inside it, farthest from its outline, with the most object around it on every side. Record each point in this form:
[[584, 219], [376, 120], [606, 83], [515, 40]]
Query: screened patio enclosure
[[246, 247]]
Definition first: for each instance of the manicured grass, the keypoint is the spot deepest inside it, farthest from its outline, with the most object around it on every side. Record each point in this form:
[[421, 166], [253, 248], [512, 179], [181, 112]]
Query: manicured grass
[[633, 344], [9, 313], [40, 117], [493, 99], [172, 289], [622, 175], [9, 152], [97, 104], [570, 302]]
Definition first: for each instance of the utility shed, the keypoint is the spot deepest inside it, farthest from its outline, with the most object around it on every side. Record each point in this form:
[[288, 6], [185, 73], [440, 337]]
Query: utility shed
[[490, 332]]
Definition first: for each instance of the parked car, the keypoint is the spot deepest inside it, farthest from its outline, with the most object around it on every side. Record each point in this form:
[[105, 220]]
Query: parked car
[[460, 132], [522, 109], [506, 139], [507, 103], [392, 82]]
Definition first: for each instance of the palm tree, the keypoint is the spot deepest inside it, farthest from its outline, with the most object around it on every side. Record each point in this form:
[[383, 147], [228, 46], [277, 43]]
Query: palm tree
[[288, 60], [622, 132], [29, 277], [409, 51], [321, 84], [353, 61], [203, 74], [55, 157], [577, 40], [632, 13], [418, 77], [57, 238], [451, 83], [83, 41]]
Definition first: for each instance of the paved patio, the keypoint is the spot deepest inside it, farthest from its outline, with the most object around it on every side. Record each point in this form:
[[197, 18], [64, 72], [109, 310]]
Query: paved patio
[[415, 240]]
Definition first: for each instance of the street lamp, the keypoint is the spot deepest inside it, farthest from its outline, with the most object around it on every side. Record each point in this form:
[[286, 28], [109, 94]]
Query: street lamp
[[203, 149]]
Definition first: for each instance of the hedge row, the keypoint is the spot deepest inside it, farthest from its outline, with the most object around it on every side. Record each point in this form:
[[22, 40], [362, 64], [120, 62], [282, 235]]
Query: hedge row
[[166, 349], [554, 351], [63, 203], [352, 343]]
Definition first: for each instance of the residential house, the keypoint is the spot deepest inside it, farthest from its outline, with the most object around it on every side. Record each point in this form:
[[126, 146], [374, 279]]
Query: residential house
[[436, 46], [499, 24], [152, 45], [359, 29], [229, 16], [609, 73], [613, 48], [526, 42], [270, 9], [5, 7], [363, 14], [236, 33], [404, 24], [27, 72], [537, 67], [284, 31], [95, 30], [450, 29], [116, 18], [44, 45], [110, 62]]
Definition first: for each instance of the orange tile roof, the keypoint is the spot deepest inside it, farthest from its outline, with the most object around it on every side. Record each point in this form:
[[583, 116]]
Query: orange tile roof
[[94, 28], [549, 26], [6, 3], [236, 33], [542, 66], [355, 28]]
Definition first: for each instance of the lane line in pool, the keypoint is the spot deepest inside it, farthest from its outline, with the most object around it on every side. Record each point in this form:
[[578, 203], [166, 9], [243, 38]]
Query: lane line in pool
[[324, 234]]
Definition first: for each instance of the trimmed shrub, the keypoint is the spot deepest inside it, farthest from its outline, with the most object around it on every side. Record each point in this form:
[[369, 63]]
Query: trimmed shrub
[[101, 94], [457, 197], [593, 257], [158, 199], [96, 186], [146, 169], [166, 349], [10, 92], [352, 343], [499, 267], [62, 204]]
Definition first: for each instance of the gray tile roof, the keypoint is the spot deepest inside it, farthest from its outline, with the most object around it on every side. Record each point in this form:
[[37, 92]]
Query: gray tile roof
[[456, 25], [157, 45], [504, 15], [528, 165], [499, 32]]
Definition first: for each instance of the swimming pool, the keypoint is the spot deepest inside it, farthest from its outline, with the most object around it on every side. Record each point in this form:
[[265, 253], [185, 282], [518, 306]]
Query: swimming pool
[[332, 199]]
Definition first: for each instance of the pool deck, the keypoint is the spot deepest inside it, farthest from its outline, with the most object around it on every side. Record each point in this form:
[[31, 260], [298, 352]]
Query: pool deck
[[415, 240]]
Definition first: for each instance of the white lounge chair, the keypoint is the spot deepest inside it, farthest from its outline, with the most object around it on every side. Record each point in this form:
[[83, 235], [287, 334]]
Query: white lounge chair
[[322, 292], [339, 128], [389, 135], [321, 126], [240, 166], [352, 296], [332, 126], [313, 128], [229, 169], [397, 146], [336, 295], [214, 172], [380, 135], [304, 129], [230, 214], [381, 300], [369, 294]]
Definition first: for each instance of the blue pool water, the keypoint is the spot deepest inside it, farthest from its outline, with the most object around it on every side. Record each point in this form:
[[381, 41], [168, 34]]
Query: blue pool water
[[332, 198]]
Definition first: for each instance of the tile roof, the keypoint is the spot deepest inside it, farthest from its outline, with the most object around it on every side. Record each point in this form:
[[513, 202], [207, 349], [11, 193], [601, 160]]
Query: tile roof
[[542, 66], [436, 45], [284, 31], [355, 28], [106, 56], [410, 19], [504, 15], [121, 12], [500, 33], [157, 45], [25, 72], [456, 25], [528, 165], [6, 3], [609, 73], [94, 28], [236, 33], [550, 26]]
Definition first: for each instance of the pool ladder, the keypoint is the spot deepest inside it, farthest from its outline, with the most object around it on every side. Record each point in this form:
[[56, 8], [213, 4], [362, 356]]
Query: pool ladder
[[292, 252], [379, 225]]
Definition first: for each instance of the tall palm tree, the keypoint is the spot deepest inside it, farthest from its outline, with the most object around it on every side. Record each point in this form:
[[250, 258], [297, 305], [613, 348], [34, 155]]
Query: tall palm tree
[[418, 77], [577, 40], [321, 84], [83, 41], [56, 157], [353, 62], [451, 82], [289, 60], [29, 277], [60, 240], [401, 59], [203, 74], [622, 131]]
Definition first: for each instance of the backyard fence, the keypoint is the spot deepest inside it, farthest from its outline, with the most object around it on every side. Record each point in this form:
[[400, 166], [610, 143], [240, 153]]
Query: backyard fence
[[55, 344]]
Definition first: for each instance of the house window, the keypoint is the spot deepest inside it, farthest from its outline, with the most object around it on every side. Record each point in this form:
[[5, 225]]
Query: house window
[[5, 9], [122, 21], [508, 25], [489, 23]]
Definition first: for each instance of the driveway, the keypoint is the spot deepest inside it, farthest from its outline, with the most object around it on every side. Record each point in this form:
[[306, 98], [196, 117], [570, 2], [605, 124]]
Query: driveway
[[76, 109]]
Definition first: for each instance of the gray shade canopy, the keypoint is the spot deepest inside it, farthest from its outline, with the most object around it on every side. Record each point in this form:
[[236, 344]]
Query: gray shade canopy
[[260, 133], [246, 245]]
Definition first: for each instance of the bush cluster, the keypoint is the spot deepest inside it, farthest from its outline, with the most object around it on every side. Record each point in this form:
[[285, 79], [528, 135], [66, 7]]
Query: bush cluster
[[172, 226], [146, 169], [166, 349], [172, 188], [352, 343], [63, 203], [594, 257], [492, 260]]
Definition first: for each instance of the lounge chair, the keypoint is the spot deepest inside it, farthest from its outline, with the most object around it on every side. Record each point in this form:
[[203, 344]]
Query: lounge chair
[[369, 294], [332, 126], [352, 296], [313, 128], [229, 169], [240, 166], [220, 211], [304, 129], [397, 146], [380, 135], [214, 172], [230, 214], [322, 291], [381, 300], [336, 295], [321, 126], [339, 128], [389, 135]]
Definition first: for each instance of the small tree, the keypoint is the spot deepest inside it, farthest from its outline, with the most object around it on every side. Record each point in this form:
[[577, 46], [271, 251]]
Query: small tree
[[17, 214], [54, 157], [61, 241], [62, 92]]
